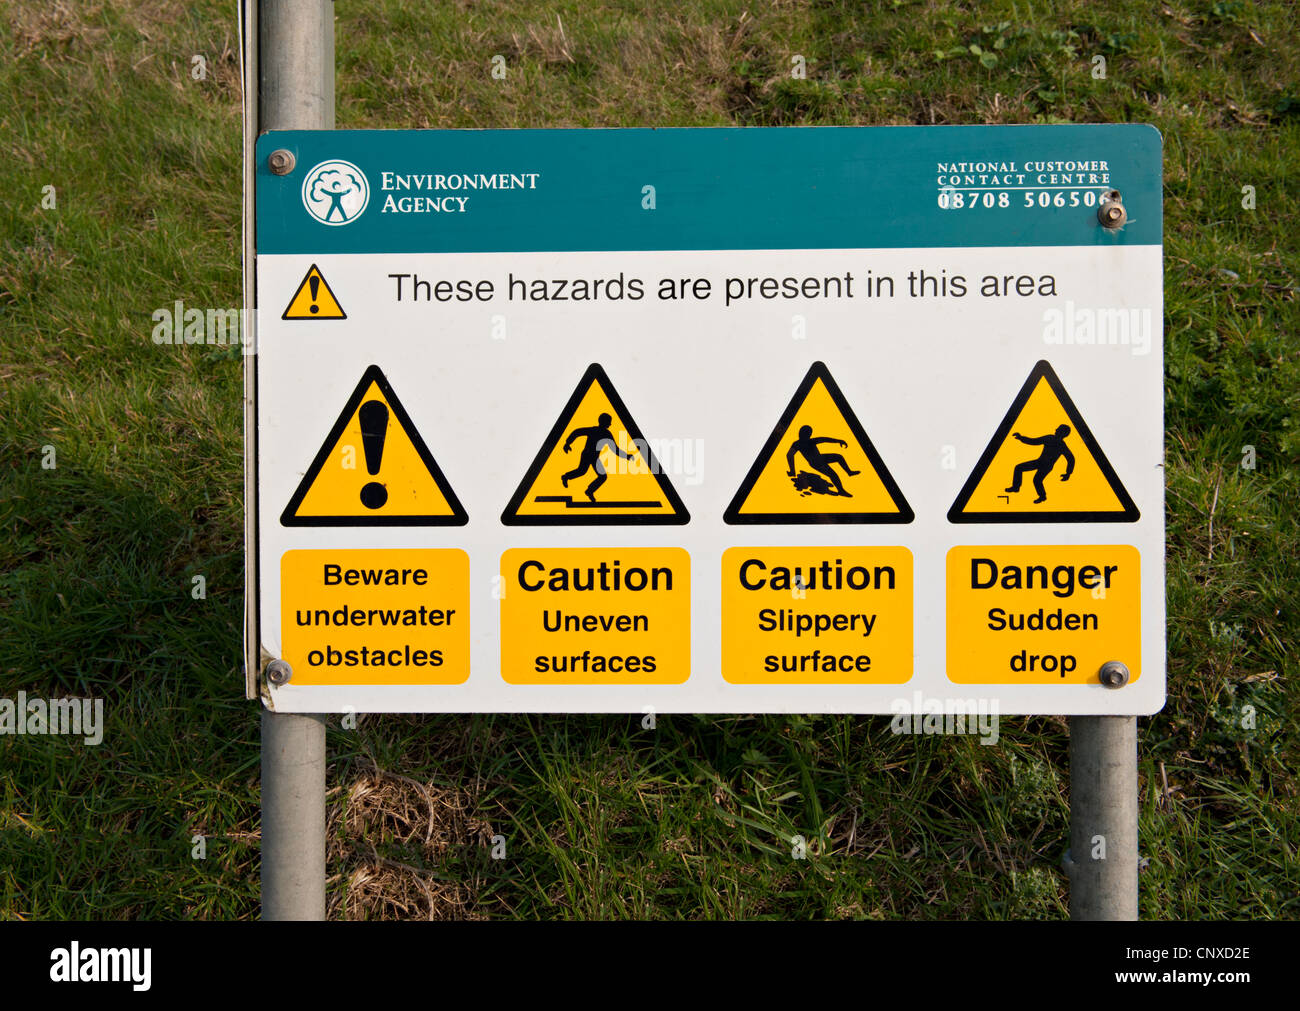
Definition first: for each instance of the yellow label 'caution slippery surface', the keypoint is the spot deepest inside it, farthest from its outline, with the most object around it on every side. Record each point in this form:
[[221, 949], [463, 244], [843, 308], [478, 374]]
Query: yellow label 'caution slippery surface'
[[828, 615]]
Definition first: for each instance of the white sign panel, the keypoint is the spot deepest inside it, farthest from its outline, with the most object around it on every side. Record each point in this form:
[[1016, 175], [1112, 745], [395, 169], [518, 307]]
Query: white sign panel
[[798, 420]]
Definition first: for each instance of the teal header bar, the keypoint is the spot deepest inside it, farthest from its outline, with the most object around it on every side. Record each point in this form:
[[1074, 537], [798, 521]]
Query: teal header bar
[[463, 191]]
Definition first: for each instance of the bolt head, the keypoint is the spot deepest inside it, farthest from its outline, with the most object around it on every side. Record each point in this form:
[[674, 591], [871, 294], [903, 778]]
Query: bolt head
[[281, 162], [278, 672], [1111, 212], [1113, 674]]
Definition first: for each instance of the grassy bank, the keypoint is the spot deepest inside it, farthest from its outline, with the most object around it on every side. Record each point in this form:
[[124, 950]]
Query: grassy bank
[[601, 818]]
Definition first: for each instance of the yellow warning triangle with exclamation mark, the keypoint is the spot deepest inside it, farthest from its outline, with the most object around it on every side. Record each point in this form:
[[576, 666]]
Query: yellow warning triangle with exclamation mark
[[314, 299], [373, 469]]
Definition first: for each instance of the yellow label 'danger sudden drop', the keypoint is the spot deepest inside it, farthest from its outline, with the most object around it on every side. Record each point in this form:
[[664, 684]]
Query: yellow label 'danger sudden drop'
[[1043, 614], [376, 617], [837, 615], [608, 616]]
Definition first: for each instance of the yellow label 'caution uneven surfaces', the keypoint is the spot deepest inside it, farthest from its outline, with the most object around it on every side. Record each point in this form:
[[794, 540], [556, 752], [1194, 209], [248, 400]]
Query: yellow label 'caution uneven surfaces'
[[376, 617], [818, 466], [831, 615], [373, 469], [594, 468], [1043, 465], [1043, 614], [596, 616], [314, 299]]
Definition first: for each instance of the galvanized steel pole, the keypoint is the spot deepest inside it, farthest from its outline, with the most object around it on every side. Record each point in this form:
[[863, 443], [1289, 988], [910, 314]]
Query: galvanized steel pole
[[1103, 858], [295, 69]]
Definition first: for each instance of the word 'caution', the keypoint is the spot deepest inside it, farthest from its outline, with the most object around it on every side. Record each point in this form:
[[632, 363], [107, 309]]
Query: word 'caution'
[[1042, 614], [830, 615], [596, 616], [376, 617]]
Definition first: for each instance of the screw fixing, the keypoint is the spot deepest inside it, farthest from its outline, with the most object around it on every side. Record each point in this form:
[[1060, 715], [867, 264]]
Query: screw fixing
[[1113, 674], [278, 673], [1111, 213], [281, 162]]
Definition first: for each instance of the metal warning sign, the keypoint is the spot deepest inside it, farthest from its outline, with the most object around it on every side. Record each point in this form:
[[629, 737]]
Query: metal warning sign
[[693, 420]]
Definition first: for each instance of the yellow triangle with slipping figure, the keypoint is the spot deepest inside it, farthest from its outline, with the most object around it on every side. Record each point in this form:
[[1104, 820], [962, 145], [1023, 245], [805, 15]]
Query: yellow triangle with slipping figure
[[373, 469], [594, 468], [818, 466], [1043, 465], [314, 299]]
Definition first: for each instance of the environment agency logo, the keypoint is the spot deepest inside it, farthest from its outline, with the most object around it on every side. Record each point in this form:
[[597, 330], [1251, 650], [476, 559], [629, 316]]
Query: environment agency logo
[[335, 192]]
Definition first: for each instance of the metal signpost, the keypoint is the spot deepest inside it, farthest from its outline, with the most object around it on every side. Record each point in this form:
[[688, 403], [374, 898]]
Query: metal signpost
[[840, 420]]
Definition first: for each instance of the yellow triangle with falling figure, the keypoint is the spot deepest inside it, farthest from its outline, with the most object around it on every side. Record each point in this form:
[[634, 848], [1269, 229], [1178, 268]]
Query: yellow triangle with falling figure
[[594, 468], [373, 469], [1043, 465], [314, 299], [818, 466]]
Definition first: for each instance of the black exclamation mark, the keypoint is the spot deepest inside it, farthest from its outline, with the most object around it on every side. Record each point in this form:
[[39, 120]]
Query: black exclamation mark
[[314, 281], [374, 428]]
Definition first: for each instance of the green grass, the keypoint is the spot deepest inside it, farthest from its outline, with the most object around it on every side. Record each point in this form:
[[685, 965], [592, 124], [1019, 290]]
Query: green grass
[[602, 818]]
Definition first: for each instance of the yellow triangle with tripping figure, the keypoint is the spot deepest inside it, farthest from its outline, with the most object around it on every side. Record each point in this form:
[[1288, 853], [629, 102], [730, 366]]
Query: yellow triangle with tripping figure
[[1043, 465], [314, 299], [373, 470], [594, 468], [818, 466]]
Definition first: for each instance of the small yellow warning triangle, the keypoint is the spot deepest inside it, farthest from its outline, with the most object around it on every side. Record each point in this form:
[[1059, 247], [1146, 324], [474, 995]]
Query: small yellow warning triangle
[[1043, 466], [594, 468], [818, 466], [373, 470], [314, 299]]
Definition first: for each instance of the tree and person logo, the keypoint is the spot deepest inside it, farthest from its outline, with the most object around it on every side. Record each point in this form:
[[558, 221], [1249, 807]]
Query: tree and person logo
[[335, 192]]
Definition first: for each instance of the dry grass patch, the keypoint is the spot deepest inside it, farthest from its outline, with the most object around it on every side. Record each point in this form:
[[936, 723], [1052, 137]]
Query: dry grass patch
[[388, 835]]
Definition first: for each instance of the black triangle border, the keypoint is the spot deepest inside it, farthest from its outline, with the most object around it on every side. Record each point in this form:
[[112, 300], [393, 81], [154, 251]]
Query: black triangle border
[[818, 371], [374, 374], [510, 515], [1044, 370], [294, 296]]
